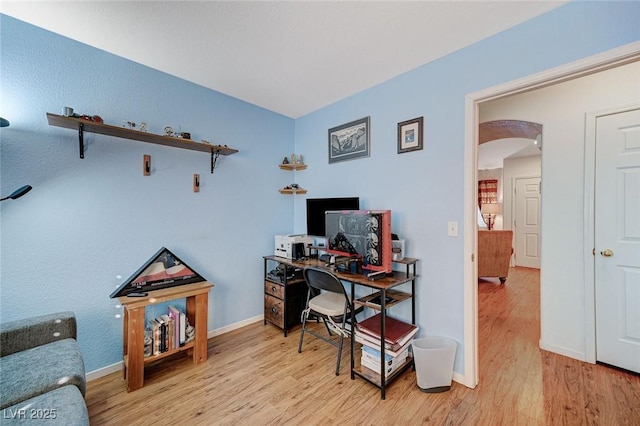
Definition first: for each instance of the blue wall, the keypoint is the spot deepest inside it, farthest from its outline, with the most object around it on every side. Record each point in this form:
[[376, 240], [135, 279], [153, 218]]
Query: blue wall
[[88, 221], [424, 189]]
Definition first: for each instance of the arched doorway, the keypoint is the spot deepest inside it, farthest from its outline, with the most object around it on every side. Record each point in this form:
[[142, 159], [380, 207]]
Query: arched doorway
[[502, 129]]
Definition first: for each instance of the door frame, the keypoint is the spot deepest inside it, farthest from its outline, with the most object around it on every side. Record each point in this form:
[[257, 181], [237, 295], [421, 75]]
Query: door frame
[[610, 59], [589, 231]]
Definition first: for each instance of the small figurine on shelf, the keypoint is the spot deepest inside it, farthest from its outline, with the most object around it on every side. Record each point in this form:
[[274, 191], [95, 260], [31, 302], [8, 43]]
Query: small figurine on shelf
[[190, 333], [300, 159], [293, 159], [148, 342], [285, 160]]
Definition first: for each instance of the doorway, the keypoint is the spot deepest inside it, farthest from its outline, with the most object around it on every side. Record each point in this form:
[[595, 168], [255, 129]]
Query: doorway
[[608, 60], [526, 221]]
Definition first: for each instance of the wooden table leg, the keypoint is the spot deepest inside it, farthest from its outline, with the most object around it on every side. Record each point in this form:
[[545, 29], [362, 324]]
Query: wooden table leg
[[197, 309], [135, 349], [125, 341]]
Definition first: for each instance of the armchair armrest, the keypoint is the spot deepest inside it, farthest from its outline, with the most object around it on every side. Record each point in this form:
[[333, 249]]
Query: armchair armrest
[[19, 335]]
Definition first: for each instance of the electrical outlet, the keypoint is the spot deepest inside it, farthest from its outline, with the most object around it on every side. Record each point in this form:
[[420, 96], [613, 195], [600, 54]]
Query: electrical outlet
[[453, 229]]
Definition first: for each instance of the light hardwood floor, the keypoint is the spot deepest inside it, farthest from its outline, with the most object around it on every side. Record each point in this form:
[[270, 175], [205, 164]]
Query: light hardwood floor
[[255, 376]]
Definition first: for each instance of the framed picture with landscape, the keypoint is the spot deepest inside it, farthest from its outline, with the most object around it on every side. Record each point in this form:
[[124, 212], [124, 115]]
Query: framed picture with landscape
[[349, 141], [410, 135]]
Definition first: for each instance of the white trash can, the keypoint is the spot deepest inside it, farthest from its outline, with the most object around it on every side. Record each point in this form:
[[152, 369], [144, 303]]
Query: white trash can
[[434, 357]]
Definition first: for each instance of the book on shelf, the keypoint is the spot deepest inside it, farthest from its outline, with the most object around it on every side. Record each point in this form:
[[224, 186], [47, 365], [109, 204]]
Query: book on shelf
[[389, 369], [183, 328], [178, 325], [155, 332], [168, 331], [396, 332], [373, 355], [163, 334], [366, 340]]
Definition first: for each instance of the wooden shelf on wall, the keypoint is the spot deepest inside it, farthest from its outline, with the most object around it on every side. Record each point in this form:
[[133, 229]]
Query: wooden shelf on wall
[[293, 191], [289, 166], [83, 125], [293, 167]]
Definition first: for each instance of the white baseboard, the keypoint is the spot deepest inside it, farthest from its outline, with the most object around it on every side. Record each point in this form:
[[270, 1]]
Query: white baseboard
[[104, 371], [459, 378], [563, 351], [235, 326], [113, 368]]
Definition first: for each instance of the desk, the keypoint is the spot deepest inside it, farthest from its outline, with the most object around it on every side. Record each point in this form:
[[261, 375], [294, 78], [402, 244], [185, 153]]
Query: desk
[[385, 287], [197, 296]]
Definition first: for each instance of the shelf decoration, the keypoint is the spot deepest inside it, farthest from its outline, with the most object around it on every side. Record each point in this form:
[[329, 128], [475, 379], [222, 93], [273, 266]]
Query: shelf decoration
[[196, 182], [94, 124], [146, 165], [294, 188], [289, 166], [294, 164], [164, 269]]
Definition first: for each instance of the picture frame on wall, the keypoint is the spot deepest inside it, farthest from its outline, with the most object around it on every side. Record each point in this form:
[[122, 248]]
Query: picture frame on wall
[[350, 141], [410, 135]]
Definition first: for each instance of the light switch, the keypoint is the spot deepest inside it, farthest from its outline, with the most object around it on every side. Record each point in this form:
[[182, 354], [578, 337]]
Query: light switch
[[453, 229]]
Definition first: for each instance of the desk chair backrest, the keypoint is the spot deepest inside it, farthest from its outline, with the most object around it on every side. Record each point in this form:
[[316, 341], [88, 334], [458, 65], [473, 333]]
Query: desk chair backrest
[[323, 279], [327, 299]]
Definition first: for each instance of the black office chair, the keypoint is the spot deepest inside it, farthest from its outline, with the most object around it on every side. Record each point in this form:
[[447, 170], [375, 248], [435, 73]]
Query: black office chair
[[327, 300]]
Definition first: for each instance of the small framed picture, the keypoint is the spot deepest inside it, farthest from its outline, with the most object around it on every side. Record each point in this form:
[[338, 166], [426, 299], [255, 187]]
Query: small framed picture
[[349, 141], [410, 135]]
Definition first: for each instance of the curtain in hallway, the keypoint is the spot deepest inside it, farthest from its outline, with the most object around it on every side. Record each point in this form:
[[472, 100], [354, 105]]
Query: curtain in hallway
[[487, 191]]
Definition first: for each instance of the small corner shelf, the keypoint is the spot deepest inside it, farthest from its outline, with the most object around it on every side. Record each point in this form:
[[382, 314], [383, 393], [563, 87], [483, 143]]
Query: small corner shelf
[[293, 191], [289, 166], [292, 167], [120, 132]]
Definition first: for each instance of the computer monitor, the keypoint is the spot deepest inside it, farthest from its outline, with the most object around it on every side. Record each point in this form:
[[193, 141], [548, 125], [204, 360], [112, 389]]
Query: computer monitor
[[317, 207]]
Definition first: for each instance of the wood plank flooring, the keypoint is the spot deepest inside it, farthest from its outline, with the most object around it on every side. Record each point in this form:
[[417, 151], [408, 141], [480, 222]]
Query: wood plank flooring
[[255, 376]]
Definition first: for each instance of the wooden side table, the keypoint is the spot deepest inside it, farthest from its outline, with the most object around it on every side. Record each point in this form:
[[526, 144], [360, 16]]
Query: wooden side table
[[197, 296]]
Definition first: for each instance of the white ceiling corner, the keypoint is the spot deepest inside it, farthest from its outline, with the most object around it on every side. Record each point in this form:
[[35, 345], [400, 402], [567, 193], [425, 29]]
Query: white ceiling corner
[[291, 57]]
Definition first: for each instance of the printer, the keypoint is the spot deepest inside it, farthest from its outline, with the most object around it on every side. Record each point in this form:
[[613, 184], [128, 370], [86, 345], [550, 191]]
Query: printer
[[292, 246]]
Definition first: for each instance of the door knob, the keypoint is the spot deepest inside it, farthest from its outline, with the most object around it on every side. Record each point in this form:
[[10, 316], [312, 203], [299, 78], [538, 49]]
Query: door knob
[[607, 253]]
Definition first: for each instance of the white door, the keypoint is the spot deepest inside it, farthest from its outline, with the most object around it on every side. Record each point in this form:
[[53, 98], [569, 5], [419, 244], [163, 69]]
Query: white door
[[617, 239], [526, 225]]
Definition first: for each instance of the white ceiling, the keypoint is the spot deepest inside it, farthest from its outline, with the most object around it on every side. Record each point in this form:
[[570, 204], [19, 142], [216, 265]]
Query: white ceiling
[[291, 57], [492, 154]]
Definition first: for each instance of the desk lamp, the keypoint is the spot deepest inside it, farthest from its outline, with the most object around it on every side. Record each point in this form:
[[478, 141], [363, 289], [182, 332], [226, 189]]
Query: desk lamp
[[18, 193], [22, 190]]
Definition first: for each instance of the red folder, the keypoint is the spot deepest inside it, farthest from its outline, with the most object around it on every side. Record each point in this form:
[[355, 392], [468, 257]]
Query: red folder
[[395, 330]]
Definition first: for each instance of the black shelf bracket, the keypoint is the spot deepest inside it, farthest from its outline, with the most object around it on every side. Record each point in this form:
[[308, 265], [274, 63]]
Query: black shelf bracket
[[81, 139], [214, 157]]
